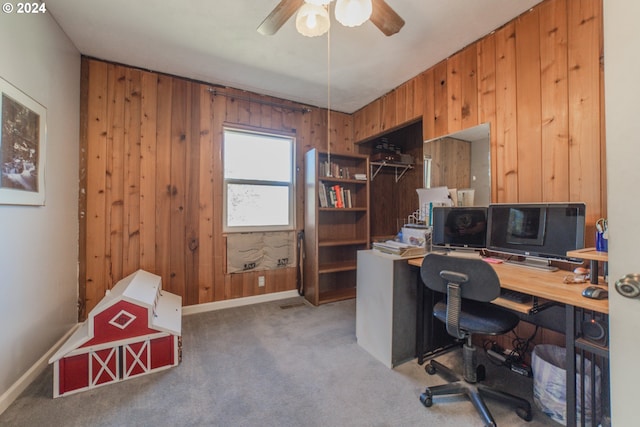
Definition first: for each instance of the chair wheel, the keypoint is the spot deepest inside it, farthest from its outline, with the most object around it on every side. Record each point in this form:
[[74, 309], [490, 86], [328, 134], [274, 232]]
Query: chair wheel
[[431, 370], [481, 373], [525, 414], [426, 399]]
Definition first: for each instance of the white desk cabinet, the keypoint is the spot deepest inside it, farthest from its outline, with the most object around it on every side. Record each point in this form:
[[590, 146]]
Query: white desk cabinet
[[386, 307]]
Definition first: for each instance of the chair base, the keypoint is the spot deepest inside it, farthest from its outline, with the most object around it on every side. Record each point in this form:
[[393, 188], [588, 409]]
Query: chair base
[[475, 392]]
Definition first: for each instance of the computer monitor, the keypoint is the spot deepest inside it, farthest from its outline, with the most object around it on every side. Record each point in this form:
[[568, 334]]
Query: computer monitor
[[542, 231], [459, 227]]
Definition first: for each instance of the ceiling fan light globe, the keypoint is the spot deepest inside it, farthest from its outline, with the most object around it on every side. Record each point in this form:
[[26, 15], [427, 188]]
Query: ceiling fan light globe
[[312, 20], [352, 13]]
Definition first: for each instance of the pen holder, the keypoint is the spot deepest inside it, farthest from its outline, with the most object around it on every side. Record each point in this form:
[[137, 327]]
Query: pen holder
[[602, 243]]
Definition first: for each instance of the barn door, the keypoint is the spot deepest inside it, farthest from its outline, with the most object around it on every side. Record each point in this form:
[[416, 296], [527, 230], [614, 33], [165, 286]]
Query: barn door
[[136, 359], [104, 367]]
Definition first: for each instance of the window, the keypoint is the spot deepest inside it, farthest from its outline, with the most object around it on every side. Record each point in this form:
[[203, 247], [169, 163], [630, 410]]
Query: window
[[258, 181]]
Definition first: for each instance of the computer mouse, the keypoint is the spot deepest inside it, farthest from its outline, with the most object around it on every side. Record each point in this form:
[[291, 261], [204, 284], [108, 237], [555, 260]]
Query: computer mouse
[[595, 292]]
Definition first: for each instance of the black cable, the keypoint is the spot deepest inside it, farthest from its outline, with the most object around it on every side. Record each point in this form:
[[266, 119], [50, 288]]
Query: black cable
[[300, 267], [520, 347], [514, 360], [486, 344]]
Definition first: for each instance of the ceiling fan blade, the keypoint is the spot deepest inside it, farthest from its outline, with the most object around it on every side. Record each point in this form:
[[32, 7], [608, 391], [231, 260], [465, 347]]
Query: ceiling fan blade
[[385, 18], [278, 16]]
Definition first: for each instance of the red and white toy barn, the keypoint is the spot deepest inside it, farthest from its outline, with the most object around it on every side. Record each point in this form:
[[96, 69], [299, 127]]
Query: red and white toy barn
[[134, 330]]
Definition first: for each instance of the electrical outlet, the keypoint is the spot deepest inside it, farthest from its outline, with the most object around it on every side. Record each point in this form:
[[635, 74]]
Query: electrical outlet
[[260, 281]]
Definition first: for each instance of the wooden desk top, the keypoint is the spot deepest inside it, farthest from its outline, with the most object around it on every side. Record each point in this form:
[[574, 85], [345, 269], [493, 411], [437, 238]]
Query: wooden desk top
[[590, 254], [542, 284]]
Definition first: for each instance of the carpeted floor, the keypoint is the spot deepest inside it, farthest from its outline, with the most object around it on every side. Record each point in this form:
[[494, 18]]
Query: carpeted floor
[[282, 363]]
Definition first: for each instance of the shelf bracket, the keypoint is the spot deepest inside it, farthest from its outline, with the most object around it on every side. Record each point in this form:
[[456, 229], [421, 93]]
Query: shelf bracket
[[406, 168], [538, 307], [380, 165], [373, 174]]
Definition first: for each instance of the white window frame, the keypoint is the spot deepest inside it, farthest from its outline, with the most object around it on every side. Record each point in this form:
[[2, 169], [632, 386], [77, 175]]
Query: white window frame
[[291, 184]]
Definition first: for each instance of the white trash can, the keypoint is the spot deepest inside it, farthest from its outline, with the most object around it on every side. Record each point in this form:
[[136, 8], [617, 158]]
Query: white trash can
[[548, 363]]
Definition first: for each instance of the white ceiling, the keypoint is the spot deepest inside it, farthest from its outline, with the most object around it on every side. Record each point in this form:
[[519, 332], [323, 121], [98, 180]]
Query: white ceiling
[[216, 41]]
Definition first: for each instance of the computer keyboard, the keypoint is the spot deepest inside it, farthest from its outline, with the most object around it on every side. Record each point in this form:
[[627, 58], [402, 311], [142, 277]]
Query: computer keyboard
[[515, 296]]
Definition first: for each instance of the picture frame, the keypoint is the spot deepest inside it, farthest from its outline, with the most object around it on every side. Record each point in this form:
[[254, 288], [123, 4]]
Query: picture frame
[[23, 124]]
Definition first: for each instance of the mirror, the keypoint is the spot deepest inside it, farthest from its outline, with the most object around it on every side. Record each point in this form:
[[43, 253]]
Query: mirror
[[461, 160]]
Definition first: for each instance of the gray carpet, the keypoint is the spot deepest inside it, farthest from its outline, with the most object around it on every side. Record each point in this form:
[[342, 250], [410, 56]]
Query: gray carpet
[[282, 363]]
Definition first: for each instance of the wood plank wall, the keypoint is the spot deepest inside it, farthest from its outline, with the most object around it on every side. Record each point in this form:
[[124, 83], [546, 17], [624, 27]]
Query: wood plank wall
[[393, 193], [538, 82], [451, 162], [152, 185]]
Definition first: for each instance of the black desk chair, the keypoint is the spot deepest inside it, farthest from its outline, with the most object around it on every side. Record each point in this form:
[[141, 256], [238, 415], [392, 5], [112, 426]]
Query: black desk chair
[[469, 285]]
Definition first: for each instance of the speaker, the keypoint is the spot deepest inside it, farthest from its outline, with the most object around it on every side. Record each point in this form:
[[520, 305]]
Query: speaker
[[595, 330]]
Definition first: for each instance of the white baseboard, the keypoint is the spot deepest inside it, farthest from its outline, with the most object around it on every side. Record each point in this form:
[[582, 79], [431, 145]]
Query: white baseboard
[[237, 302], [23, 382], [9, 396]]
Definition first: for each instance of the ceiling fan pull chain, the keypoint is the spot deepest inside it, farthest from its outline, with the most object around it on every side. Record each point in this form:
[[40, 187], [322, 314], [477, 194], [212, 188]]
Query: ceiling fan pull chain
[[329, 96]]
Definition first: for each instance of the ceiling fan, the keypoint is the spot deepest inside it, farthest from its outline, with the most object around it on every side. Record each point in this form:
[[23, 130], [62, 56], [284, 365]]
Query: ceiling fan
[[382, 16]]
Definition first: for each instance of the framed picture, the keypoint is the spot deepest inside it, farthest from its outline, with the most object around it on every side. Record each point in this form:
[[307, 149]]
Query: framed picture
[[22, 147]]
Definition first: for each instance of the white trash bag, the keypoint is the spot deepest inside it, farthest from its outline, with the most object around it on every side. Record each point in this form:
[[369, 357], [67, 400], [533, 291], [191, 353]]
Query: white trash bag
[[548, 363]]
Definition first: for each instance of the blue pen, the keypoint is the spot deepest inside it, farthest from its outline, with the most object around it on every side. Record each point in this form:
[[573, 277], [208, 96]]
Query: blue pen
[[430, 213]]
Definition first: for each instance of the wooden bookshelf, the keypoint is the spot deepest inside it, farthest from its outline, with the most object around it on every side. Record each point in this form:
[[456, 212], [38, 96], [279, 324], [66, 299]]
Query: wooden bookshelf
[[334, 233]]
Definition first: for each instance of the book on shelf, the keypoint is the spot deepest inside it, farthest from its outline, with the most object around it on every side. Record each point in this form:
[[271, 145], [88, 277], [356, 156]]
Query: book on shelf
[[334, 170], [339, 196], [360, 176], [330, 169], [322, 195], [335, 196], [399, 248]]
